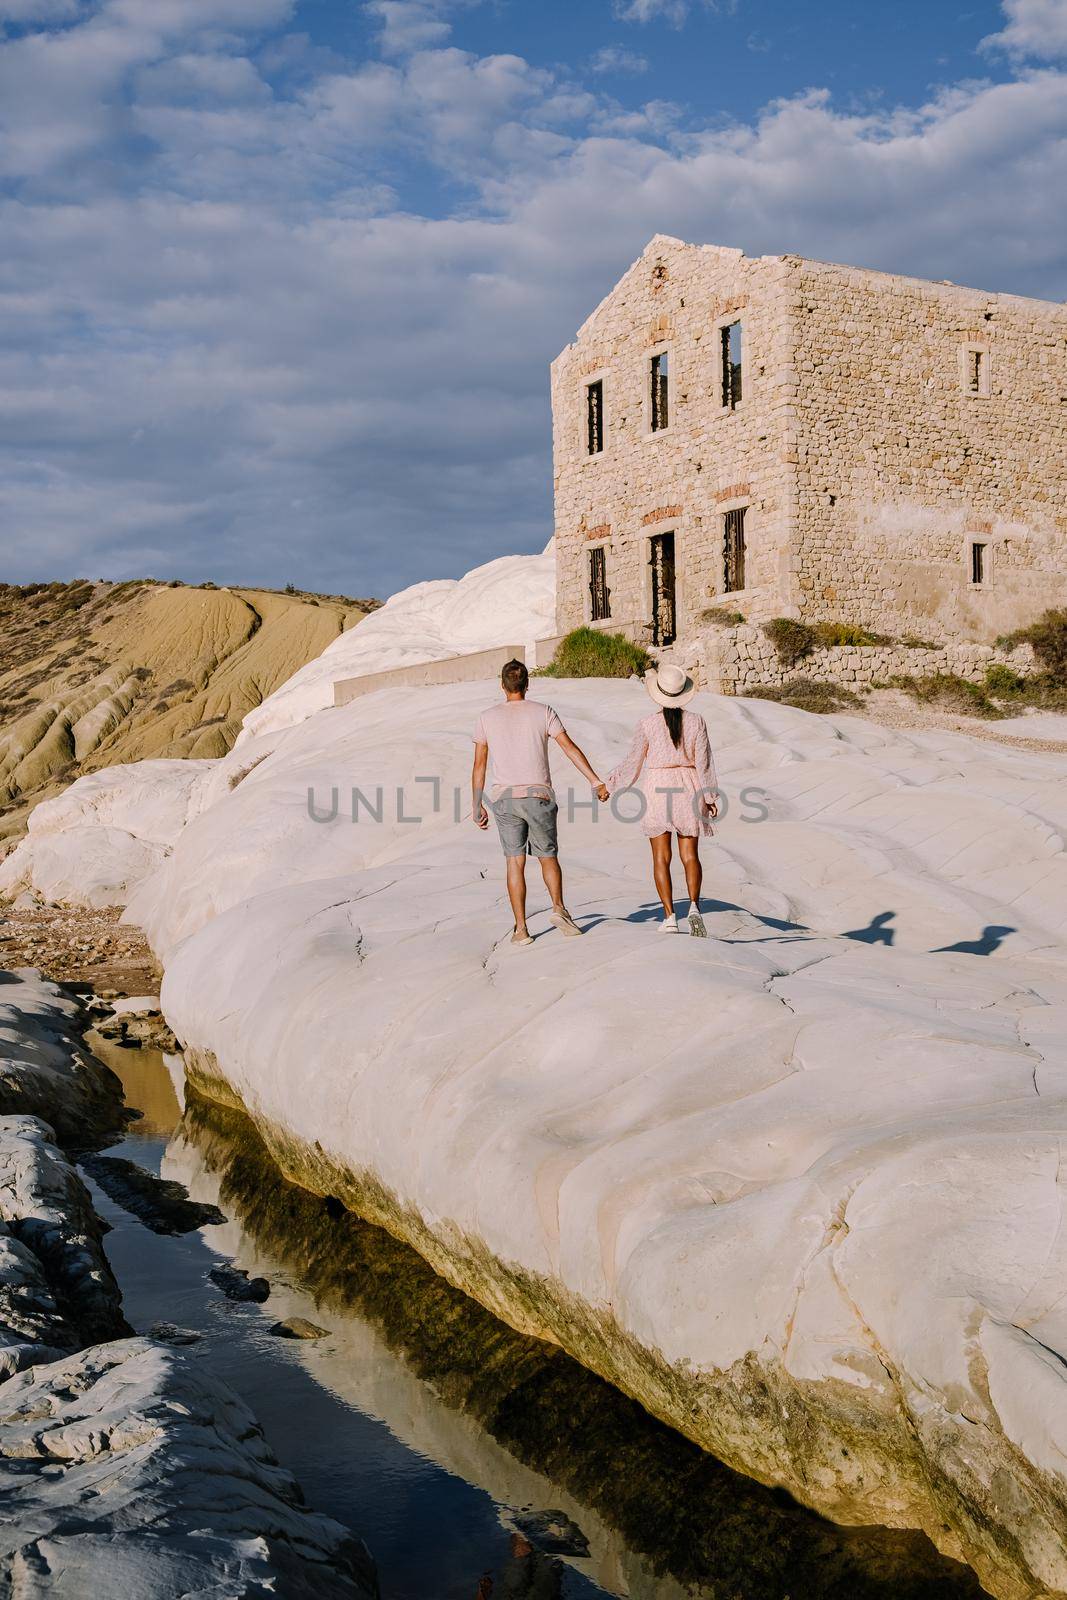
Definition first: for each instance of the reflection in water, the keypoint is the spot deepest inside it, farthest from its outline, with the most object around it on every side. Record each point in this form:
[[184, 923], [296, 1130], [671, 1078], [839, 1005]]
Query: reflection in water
[[146, 1083], [675, 1520]]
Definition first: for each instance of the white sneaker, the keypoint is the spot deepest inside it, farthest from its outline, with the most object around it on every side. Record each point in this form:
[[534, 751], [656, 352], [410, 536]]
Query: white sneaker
[[669, 925], [697, 929]]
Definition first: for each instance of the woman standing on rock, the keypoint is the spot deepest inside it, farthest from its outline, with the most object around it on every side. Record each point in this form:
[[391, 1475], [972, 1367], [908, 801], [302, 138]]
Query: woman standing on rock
[[671, 755]]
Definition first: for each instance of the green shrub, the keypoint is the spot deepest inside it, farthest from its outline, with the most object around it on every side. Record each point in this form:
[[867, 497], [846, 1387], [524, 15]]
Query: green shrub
[[587, 653], [837, 633], [947, 692], [808, 694], [719, 617], [1001, 680], [791, 639], [913, 643], [1047, 637]]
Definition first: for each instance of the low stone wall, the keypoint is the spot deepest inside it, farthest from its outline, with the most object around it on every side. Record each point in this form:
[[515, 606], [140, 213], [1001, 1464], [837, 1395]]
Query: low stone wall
[[450, 669], [732, 660]]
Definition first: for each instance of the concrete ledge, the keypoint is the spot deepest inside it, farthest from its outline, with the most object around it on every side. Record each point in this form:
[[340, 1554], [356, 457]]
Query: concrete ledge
[[453, 669], [469, 668]]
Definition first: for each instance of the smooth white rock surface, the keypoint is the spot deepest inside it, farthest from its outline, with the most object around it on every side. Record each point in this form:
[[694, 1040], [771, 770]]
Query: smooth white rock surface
[[90, 845], [793, 1140], [95, 842], [1035, 725]]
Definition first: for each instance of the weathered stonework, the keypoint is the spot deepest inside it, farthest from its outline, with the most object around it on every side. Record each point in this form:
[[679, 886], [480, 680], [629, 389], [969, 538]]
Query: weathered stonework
[[740, 658], [864, 461]]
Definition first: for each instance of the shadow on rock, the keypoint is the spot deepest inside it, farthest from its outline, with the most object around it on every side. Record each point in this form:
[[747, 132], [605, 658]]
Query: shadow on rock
[[692, 1519]]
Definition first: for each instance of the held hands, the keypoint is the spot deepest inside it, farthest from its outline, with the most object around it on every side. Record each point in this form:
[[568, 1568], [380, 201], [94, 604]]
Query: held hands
[[602, 793]]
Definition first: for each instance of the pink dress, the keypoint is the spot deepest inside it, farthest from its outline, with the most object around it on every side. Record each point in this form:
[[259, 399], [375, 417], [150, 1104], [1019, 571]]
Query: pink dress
[[663, 767]]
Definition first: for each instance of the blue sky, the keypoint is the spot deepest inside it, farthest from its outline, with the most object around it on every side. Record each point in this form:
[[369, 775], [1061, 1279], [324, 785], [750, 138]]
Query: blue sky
[[280, 279]]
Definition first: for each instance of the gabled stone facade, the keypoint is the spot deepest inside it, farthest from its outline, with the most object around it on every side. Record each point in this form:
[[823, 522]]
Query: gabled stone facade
[[886, 428]]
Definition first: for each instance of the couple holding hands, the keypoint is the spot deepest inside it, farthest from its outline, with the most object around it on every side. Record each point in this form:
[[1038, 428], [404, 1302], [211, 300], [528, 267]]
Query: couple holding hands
[[669, 764]]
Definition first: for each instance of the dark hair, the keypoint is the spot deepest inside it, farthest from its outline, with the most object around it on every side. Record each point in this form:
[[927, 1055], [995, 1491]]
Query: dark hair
[[515, 678], [672, 716]]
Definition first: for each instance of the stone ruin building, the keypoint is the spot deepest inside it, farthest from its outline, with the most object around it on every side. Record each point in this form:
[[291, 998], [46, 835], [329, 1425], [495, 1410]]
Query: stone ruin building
[[782, 437]]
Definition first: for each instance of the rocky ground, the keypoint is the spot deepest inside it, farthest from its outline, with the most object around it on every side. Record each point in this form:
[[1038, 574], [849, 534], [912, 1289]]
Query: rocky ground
[[126, 1471], [895, 709], [87, 948]]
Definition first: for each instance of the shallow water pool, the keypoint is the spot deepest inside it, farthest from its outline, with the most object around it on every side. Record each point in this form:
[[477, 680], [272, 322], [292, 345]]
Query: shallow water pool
[[474, 1462]]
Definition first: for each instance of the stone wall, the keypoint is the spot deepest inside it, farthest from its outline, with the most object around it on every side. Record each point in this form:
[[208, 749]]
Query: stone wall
[[865, 466], [676, 297], [899, 467], [733, 660]]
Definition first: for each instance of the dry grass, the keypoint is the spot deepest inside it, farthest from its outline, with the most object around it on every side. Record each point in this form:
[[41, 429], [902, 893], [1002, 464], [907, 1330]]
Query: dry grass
[[808, 694]]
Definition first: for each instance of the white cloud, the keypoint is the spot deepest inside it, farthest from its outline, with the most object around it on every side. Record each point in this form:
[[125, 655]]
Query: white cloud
[[227, 350], [672, 11], [1036, 28], [613, 58], [23, 11], [409, 25]]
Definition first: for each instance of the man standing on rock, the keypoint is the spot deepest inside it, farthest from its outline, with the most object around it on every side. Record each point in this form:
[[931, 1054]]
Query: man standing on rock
[[516, 734]]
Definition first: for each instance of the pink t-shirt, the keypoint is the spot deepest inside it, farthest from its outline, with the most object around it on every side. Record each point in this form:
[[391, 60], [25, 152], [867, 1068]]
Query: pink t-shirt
[[517, 733]]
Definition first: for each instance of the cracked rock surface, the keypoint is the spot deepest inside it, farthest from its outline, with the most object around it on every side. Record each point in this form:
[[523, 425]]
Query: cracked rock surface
[[126, 1469], [56, 1289], [44, 1068], [128, 1472]]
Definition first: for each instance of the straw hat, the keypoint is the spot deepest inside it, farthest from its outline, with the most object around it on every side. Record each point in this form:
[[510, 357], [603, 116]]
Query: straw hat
[[670, 685]]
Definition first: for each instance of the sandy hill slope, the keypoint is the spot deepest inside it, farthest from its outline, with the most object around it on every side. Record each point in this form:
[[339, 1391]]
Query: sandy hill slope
[[92, 675]]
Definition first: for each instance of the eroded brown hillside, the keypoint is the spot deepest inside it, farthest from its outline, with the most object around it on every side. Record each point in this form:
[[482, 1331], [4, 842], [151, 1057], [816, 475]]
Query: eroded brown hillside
[[92, 674]]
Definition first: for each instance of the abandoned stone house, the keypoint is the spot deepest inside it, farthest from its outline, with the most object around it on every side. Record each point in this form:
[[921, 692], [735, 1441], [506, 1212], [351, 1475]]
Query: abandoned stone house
[[778, 436]]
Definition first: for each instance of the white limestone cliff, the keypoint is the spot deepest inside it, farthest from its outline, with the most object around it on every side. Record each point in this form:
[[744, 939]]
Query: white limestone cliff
[[798, 1192]]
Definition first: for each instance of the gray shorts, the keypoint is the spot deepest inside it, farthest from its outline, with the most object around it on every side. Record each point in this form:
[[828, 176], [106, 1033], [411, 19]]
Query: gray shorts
[[527, 824]]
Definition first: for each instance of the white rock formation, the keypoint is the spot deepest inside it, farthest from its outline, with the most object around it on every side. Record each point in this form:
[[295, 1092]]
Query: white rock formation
[[128, 1472], [105, 833], [508, 601], [108, 832], [797, 1188]]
